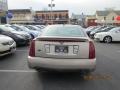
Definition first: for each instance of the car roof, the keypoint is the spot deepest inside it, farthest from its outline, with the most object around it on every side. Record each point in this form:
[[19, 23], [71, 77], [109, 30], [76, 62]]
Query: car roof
[[65, 25]]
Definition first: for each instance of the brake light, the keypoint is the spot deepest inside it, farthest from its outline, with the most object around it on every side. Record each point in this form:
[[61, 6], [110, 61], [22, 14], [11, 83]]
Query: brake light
[[32, 49], [91, 50]]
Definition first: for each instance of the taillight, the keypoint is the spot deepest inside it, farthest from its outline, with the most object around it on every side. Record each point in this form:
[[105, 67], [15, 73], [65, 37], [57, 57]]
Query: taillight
[[91, 50], [32, 49]]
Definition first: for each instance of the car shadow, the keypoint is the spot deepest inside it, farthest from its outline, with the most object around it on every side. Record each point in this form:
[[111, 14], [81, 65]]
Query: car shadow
[[115, 42], [6, 57], [62, 80]]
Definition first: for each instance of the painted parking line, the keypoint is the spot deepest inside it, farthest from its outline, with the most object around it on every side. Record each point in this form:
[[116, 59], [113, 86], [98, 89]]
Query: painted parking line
[[17, 71]]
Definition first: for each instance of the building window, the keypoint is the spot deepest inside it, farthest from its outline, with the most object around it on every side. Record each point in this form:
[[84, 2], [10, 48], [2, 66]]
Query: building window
[[55, 16], [66, 16], [104, 18], [43, 17], [36, 16], [60, 16], [91, 21], [113, 18], [39, 17], [47, 16]]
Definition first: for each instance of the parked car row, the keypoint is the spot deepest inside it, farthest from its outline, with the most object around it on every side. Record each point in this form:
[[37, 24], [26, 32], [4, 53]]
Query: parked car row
[[16, 35], [106, 34]]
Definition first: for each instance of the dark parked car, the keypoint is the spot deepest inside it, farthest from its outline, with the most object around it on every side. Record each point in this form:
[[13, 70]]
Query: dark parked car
[[90, 29], [19, 39], [33, 33]]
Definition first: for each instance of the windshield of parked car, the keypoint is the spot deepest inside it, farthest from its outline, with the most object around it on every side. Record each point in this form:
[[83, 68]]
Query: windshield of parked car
[[40, 26], [37, 28], [114, 29], [64, 31], [30, 28], [108, 29], [7, 28], [24, 28], [16, 28], [90, 28], [98, 29]]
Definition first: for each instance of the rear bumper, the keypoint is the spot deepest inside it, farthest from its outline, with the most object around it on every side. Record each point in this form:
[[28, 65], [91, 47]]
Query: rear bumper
[[64, 64]]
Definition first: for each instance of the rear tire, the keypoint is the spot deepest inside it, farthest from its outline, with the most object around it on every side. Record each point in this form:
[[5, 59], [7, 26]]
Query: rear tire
[[107, 39]]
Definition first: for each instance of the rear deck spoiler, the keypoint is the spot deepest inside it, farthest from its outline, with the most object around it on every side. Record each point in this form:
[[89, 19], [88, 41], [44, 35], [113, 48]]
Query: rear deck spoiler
[[56, 39]]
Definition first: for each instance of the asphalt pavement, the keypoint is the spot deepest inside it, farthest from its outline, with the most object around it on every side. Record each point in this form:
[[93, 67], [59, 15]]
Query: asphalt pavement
[[15, 74]]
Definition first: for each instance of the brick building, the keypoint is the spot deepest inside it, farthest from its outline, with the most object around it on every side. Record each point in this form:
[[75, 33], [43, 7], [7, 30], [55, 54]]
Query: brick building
[[90, 20], [54, 17]]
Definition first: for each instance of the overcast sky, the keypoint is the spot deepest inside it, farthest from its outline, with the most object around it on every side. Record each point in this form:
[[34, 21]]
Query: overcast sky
[[74, 6]]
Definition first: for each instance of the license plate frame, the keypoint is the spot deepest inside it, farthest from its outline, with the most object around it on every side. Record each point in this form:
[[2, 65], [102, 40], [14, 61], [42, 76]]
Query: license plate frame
[[61, 49]]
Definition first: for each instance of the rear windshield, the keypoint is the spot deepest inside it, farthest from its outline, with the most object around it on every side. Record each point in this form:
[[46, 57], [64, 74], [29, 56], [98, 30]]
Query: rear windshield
[[64, 31]]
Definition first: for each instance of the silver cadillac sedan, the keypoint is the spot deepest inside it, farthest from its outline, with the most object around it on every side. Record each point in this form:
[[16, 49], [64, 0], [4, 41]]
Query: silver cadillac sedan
[[62, 47]]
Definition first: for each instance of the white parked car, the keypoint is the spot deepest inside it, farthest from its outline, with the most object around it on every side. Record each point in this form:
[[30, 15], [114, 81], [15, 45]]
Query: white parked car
[[62, 47], [7, 45], [108, 36]]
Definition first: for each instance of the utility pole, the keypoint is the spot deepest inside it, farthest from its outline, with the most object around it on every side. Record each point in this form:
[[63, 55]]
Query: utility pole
[[51, 5]]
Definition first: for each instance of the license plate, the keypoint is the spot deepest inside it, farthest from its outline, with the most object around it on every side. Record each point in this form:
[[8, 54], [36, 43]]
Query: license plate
[[61, 49]]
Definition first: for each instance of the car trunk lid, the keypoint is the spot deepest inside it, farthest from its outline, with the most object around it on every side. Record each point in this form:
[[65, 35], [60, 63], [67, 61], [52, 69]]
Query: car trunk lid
[[57, 47]]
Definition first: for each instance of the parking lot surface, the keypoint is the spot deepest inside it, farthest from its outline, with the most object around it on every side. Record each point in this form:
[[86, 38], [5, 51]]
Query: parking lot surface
[[15, 74]]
